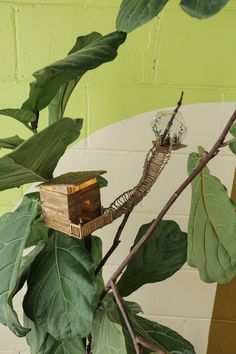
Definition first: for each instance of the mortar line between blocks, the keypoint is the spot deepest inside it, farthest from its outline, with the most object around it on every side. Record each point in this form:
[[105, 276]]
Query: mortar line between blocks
[[13, 21]]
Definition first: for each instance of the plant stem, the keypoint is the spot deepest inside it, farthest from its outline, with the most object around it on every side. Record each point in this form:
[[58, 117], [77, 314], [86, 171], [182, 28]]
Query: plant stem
[[125, 316], [170, 202], [226, 143], [115, 244], [151, 346], [179, 104]]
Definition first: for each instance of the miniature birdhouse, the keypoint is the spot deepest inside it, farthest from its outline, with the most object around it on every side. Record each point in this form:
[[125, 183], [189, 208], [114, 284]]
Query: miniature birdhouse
[[71, 201]]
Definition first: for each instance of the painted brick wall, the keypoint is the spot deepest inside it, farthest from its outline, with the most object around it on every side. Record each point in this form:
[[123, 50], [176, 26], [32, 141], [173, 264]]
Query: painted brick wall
[[171, 53]]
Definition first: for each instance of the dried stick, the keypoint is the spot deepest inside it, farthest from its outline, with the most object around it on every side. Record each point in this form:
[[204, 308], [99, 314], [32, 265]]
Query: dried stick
[[115, 244], [125, 316], [179, 104], [212, 153]]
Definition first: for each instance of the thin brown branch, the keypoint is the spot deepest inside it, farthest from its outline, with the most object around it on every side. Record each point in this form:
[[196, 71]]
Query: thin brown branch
[[125, 316], [115, 244], [155, 348], [176, 110], [212, 153]]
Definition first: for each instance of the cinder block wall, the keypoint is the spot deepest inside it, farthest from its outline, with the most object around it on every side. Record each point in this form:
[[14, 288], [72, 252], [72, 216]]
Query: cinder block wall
[[171, 53]]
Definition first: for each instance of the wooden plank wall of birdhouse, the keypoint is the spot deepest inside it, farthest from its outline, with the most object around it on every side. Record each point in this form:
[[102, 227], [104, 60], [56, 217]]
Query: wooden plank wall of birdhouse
[[55, 209]]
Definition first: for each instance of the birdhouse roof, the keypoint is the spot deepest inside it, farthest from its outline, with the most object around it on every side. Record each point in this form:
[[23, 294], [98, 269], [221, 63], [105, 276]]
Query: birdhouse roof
[[65, 183]]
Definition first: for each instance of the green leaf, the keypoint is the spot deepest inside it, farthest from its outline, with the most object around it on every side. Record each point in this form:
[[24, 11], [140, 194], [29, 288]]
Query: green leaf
[[22, 115], [163, 254], [212, 226], [107, 336], [135, 13], [58, 104], [11, 142], [41, 342], [26, 262], [39, 231], [232, 145], [96, 253], [36, 159], [62, 288], [202, 8], [51, 78], [168, 339], [14, 231]]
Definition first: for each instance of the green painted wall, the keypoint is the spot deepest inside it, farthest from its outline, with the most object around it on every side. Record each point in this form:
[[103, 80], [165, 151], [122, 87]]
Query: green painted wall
[[171, 53]]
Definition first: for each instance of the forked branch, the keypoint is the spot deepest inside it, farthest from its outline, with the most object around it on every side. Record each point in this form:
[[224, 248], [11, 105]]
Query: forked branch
[[211, 154]]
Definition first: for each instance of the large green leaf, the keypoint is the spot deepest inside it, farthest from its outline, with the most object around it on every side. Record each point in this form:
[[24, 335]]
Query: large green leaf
[[51, 78], [96, 253], [202, 8], [62, 291], [39, 231], [22, 115], [134, 13], [163, 254], [58, 104], [11, 142], [212, 226], [232, 145], [14, 230], [36, 159], [107, 336], [41, 342], [26, 262]]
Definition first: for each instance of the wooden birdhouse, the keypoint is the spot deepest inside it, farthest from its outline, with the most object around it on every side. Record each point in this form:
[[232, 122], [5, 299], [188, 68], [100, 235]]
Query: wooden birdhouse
[[71, 202]]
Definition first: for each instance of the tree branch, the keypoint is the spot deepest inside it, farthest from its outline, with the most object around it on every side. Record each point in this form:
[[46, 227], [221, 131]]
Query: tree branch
[[212, 153], [115, 244], [125, 316], [179, 104]]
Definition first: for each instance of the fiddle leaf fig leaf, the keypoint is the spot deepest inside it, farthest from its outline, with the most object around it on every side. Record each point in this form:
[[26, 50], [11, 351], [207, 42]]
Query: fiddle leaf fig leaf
[[135, 13], [22, 115], [96, 253], [107, 336], [49, 80], [26, 262], [162, 255], [14, 230], [212, 226], [36, 158], [10, 143], [64, 291], [232, 145], [41, 342], [58, 104], [201, 8]]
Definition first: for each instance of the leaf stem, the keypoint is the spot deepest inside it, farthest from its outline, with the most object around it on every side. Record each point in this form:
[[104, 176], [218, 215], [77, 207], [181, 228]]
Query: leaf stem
[[211, 154], [125, 316], [226, 143], [151, 346]]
